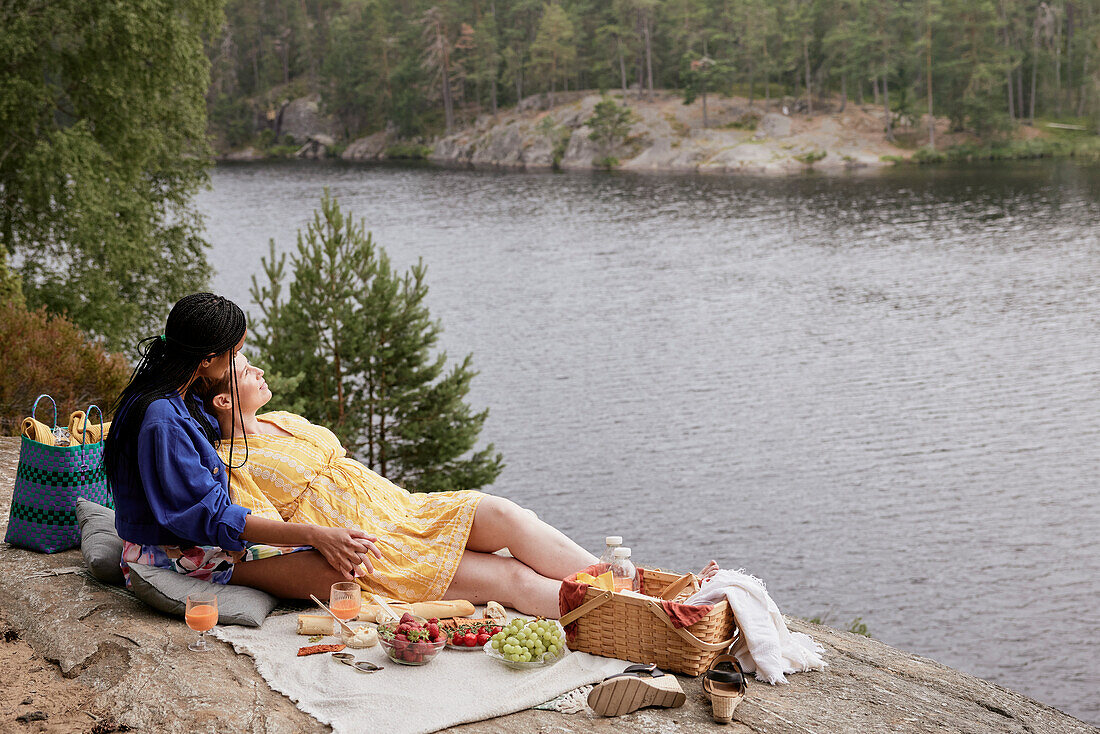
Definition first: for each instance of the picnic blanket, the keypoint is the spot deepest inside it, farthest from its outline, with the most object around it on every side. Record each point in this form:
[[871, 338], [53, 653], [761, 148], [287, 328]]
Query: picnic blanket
[[456, 688]]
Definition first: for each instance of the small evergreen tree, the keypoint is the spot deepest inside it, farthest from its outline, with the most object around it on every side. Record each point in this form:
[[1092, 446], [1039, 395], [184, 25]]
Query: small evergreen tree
[[609, 125], [357, 336]]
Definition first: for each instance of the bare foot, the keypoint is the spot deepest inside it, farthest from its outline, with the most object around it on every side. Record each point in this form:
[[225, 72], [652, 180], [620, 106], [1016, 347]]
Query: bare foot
[[709, 570]]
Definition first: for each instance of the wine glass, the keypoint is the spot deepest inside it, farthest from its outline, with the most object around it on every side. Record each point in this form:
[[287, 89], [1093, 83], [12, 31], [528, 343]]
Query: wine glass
[[343, 600], [201, 615]]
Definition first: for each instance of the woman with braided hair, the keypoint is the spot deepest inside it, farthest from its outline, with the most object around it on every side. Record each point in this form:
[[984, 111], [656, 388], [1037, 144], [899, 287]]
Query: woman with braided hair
[[171, 488]]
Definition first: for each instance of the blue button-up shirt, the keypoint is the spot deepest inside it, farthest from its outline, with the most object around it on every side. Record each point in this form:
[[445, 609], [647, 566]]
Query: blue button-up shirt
[[180, 495]]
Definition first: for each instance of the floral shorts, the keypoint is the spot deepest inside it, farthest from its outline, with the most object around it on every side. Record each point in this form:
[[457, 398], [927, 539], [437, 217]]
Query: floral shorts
[[205, 562]]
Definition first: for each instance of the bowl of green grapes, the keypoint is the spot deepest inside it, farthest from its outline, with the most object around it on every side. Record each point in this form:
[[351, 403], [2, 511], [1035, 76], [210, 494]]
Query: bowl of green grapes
[[528, 643]]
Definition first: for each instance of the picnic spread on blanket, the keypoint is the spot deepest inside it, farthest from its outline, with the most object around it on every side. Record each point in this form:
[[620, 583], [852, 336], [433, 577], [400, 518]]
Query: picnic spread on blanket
[[624, 631]]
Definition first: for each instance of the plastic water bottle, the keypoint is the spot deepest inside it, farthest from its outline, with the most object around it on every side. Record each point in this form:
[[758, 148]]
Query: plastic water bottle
[[613, 542], [623, 574]]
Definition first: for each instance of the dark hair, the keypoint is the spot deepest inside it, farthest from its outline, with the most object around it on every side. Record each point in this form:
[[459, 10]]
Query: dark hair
[[200, 326]]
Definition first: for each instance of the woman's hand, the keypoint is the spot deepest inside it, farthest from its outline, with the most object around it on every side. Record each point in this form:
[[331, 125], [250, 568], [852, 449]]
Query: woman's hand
[[345, 550]]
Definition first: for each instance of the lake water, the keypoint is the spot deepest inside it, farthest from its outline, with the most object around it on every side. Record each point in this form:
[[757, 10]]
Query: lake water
[[881, 394]]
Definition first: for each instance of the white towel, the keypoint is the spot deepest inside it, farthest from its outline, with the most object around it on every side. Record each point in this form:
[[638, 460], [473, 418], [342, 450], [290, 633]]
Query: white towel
[[765, 646]]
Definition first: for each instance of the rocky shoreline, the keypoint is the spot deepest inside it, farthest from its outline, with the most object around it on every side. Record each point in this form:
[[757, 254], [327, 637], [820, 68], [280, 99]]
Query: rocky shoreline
[[666, 136], [82, 657]]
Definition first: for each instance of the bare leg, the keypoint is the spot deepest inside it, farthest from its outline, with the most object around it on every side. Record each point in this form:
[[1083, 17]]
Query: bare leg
[[501, 523], [483, 577], [293, 576]]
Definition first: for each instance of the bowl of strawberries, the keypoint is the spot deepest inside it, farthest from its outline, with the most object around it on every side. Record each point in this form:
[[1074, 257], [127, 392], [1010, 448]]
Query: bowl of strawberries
[[410, 641]]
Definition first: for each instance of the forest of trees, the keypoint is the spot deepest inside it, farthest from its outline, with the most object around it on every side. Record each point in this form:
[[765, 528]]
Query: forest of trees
[[426, 65]]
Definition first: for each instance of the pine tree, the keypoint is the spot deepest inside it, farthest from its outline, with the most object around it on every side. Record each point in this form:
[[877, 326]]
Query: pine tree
[[553, 52], [358, 337]]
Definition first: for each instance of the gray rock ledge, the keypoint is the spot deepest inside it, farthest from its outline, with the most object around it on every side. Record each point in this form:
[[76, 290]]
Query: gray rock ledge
[[136, 662]]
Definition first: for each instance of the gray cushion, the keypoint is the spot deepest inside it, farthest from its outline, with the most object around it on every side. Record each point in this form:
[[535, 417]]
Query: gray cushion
[[99, 543], [167, 590]]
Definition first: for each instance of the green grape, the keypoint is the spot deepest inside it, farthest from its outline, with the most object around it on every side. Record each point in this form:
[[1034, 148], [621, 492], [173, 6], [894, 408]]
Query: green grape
[[512, 640]]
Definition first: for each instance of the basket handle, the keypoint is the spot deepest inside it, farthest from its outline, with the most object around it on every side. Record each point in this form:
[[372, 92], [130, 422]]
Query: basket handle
[[588, 606], [84, 428], [677, 586], [34, 408], [683, 633]]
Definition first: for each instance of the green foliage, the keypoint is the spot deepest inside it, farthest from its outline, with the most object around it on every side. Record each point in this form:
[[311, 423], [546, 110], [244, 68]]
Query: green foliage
[[702, 75], [857, 626], [609, 125], [606, 163], [102, 146], [558, 135], [357, 337], [409, 151], [374, 64], [44, 353], [553, 52], [811, 157], [744, 122], [11, 289]]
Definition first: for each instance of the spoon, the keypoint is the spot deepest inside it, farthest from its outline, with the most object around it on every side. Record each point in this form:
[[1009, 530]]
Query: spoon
[[343, 624], [363, 666]]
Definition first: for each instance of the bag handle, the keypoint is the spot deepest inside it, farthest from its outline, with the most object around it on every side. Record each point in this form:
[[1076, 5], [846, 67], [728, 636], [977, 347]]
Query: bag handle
[[84, 428], [600, 598], [689, 638], [34, 409]]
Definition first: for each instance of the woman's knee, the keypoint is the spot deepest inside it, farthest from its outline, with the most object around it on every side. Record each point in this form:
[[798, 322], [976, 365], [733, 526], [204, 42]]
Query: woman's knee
[[498, 511]]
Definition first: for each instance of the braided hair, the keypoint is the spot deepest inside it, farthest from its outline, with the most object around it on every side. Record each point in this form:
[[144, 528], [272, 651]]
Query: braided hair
[[200, 326]]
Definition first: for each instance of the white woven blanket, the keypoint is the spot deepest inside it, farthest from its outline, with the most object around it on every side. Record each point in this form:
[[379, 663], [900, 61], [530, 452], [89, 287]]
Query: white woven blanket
[[455, 688]]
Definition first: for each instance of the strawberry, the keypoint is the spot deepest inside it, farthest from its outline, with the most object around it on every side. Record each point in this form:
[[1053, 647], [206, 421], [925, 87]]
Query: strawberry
[[433, 629]]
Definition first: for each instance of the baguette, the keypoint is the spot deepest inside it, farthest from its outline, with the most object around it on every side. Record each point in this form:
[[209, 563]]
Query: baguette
[[426, 609], [314, 624]]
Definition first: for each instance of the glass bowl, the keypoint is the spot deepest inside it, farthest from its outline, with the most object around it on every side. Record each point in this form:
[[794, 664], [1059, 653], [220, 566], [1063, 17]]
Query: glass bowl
[[544, 660], [408, 653], [541, 662]]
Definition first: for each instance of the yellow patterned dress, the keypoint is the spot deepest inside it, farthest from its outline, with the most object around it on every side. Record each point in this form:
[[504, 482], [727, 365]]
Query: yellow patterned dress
[[307, 478]]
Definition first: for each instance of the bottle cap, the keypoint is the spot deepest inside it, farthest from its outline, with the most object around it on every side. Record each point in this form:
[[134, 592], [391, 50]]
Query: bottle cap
[[613, 540], [622, 552]]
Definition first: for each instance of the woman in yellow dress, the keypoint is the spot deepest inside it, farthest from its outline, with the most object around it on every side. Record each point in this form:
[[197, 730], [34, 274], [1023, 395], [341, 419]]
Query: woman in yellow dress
[[434, 546]]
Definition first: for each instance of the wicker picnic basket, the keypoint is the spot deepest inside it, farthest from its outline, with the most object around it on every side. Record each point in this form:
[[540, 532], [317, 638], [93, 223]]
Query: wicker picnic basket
[[620, 626]]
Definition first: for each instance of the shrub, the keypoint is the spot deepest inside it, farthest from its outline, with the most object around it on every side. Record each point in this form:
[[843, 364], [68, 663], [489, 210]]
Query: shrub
[[409, 151], [929, 155], [812, 157], [607, 162], [48, 354]]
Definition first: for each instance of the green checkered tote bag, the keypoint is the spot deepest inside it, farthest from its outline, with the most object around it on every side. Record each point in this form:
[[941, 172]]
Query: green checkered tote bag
[[47, 483]]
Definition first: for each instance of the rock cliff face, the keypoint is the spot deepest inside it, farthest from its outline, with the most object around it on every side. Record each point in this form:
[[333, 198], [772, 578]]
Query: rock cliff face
[[669, 136], [302, 119], [136, 667]]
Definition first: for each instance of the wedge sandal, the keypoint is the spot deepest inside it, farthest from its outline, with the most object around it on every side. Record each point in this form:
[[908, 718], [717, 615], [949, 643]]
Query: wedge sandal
[[724, 685], [636, 687]]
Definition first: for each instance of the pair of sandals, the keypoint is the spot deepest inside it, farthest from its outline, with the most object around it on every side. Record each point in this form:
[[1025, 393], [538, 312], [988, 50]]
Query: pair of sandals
[[645, 685]]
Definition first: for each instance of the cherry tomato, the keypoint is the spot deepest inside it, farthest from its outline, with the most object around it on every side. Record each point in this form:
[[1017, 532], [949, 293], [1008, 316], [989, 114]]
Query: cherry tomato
[[495, 631], [458, 639], [482, 639], [471, 639]]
